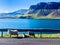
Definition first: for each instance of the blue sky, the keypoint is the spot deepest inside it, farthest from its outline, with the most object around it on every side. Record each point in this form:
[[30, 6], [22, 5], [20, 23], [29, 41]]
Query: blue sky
[[12, 5]]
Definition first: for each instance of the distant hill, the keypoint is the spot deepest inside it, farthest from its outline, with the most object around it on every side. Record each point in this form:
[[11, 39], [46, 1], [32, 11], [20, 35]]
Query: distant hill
[[49, 9], [13, 14], [21, 11]]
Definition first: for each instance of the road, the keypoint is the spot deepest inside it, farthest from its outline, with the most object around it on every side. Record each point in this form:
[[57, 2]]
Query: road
[[29, 41]]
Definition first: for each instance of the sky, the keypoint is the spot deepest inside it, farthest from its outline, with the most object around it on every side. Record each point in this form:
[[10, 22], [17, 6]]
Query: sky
[[13, 5]]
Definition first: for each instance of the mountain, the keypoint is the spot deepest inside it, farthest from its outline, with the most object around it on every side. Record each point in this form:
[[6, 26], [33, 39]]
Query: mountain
[[21, 11], [13, 14], [44, 9]]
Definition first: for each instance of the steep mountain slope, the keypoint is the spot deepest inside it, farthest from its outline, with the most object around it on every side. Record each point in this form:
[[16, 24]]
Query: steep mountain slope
[[45, 9]]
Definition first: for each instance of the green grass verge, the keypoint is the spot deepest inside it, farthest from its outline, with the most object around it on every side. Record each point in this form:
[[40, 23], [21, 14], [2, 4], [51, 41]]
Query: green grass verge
[[47, 35], [36, 35]]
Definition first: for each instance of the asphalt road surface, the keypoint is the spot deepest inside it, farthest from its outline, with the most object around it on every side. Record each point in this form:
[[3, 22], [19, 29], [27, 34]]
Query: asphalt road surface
[[29, 41]]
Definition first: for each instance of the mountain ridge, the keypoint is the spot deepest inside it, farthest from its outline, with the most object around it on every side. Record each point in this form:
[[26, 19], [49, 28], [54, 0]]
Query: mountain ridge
[[44, 9], [21, 12]]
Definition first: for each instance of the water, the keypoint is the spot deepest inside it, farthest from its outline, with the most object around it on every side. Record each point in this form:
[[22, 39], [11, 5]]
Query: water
[[29, 23]]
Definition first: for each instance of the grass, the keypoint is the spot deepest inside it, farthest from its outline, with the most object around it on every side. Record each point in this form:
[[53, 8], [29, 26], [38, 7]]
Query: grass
[[45, 17], [34, 16], [36, 35], [47, 35], [8, 35]]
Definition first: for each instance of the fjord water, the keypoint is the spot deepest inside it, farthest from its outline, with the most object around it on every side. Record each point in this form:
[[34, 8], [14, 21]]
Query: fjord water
[[29, 23]]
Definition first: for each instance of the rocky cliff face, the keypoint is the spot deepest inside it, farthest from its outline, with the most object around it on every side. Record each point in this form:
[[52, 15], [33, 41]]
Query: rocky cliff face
[[45, 9]]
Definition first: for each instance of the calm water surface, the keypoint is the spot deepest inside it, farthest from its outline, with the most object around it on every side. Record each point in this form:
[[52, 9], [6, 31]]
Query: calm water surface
[[30, 23]]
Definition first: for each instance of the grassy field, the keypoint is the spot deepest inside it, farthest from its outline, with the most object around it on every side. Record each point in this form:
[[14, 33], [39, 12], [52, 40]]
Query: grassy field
[[36, 35], [47, 35]]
